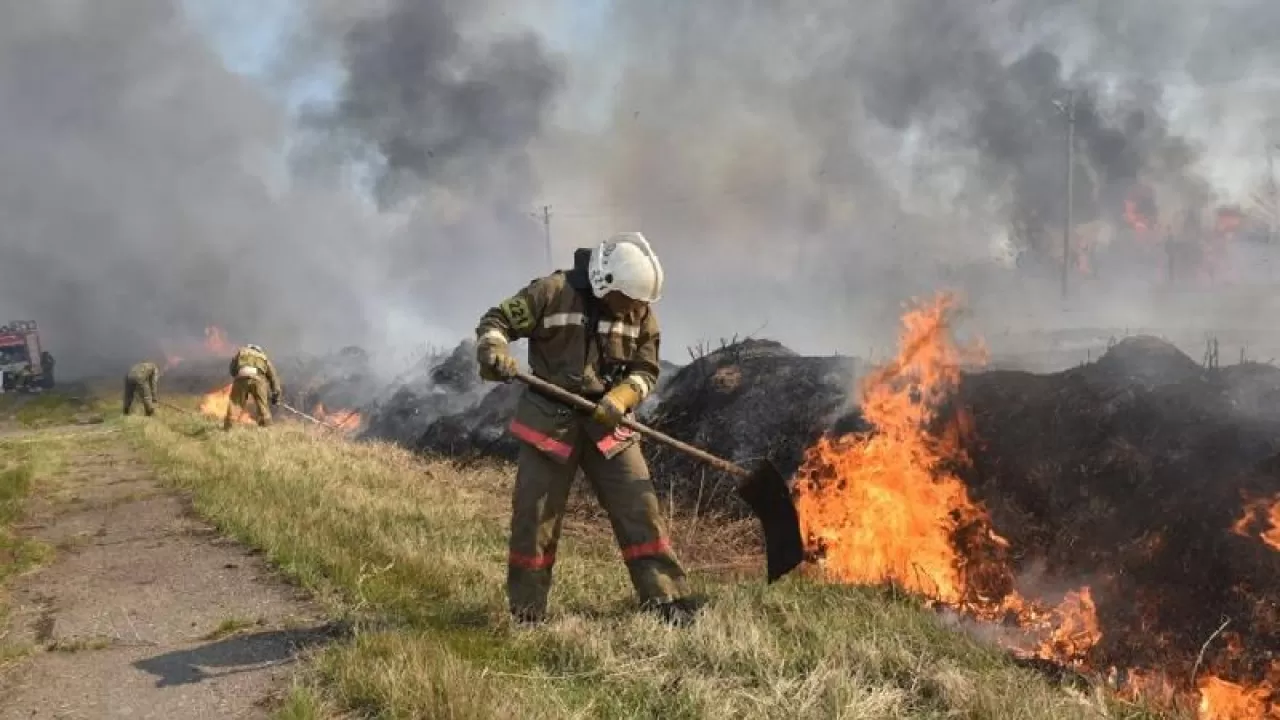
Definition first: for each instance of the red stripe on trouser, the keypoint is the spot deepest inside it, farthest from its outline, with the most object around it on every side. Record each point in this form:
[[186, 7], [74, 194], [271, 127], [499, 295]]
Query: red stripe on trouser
[[649, 549], [608, 443], [542, 441], [614, 439], [540, 561]]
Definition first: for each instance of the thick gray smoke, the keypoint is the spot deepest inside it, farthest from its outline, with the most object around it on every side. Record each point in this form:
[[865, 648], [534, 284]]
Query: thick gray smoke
[[440, 111], [813, 167], [801, 171], [143, 197]]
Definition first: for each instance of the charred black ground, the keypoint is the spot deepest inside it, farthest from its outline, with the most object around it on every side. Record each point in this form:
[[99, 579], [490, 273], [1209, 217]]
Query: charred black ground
[[1128, 475]]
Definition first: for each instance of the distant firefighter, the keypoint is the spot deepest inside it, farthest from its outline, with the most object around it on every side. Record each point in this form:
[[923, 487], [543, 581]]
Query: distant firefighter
[[46, 366], [254, 377], [142, 383]]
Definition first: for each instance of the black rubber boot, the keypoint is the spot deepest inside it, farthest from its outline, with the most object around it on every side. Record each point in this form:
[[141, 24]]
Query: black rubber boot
[[527, 617], [680, 612]]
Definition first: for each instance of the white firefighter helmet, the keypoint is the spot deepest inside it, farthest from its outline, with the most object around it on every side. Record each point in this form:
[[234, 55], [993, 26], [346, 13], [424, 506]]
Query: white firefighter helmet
[[627, 264]]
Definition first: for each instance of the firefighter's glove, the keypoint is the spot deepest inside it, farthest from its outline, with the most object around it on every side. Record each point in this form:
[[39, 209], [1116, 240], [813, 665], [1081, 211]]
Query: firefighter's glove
[[275, 398], [615, 404], [496, 363]]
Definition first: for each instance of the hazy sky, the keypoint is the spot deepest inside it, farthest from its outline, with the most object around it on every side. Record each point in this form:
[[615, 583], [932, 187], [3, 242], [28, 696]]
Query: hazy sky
[[315, 173], [249, 37]]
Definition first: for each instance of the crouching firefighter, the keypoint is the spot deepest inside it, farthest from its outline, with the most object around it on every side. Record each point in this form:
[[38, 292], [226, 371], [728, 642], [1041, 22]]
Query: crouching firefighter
[[591, 331], [142, 383], [254, 377]]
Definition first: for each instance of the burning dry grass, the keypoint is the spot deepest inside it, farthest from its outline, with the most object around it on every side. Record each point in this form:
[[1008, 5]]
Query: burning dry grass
[[414, 551], [215, 403], [887, 506], [1265, 512]]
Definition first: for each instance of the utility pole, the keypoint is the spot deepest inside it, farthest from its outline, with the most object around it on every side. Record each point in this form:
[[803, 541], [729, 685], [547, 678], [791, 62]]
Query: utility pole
[[1274, 210], [545, 216], [1070, 111]]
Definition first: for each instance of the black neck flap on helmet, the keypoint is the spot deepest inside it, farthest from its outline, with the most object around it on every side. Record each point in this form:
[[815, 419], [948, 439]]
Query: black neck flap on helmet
[[577, 277]]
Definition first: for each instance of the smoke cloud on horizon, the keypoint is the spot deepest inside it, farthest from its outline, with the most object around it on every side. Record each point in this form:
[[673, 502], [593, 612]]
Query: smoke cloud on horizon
[[801, 173]]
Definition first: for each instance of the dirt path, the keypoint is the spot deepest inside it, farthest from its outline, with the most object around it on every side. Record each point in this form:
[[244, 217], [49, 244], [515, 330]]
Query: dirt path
[[145, 612]]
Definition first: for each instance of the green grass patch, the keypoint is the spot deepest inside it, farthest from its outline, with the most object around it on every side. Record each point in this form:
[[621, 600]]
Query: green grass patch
[[413, 551], [303, 702], [21, 463], [230, 626], [78, 405], [24, 463]]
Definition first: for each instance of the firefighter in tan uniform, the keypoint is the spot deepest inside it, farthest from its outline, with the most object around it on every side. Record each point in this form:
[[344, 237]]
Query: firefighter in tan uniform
[[255, 377], [591, 331], [142, 383]]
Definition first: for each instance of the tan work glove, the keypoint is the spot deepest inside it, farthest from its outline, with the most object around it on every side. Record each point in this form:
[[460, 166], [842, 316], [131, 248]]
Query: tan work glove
[[616, 403], [496, 363]]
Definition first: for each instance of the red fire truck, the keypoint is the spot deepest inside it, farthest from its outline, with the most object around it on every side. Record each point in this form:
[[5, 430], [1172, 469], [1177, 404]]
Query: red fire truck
[[24, 363]]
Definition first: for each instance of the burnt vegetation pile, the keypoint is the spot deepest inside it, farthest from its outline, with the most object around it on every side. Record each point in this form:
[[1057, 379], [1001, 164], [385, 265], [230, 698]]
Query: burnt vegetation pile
[[1131, 475], [446, 409], [745, 402]]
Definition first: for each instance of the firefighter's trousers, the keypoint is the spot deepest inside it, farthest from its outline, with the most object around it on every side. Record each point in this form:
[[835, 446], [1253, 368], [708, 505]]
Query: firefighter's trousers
[[138, 389], [623, 486], [242, 389]]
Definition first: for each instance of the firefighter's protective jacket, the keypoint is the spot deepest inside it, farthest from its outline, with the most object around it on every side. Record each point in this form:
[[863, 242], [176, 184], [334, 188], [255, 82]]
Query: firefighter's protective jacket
[[247, 357], [147, 375], [574, 342]]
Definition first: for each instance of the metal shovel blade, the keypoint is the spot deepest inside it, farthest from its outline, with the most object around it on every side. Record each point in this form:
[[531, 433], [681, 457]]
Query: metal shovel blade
[[766, 492]]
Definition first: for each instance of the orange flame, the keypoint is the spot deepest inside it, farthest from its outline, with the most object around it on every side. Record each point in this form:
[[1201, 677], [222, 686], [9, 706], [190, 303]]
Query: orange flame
[[1224, 700], [886, 506], [1077, 627], [346, 420], [1152, 686], [1134, 217], [215, 341], [1139, 211], [878, 505], [215, 404], [1256, 511], [1228, 221]]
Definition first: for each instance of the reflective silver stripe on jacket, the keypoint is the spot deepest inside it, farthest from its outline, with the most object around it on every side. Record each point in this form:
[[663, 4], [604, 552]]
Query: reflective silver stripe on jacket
[[564, 319], [610, 327]]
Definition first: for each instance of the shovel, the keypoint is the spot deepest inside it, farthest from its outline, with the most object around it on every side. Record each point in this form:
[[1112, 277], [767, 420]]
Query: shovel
[[305, 416], [764, 490]]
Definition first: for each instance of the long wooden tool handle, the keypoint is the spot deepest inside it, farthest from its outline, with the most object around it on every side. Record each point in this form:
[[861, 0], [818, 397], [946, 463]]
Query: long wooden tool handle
[[574, 400], [317, 421], [179, 408]]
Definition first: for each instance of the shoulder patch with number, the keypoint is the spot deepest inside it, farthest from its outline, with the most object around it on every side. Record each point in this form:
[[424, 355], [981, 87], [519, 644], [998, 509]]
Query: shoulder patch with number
[[516, 309]]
